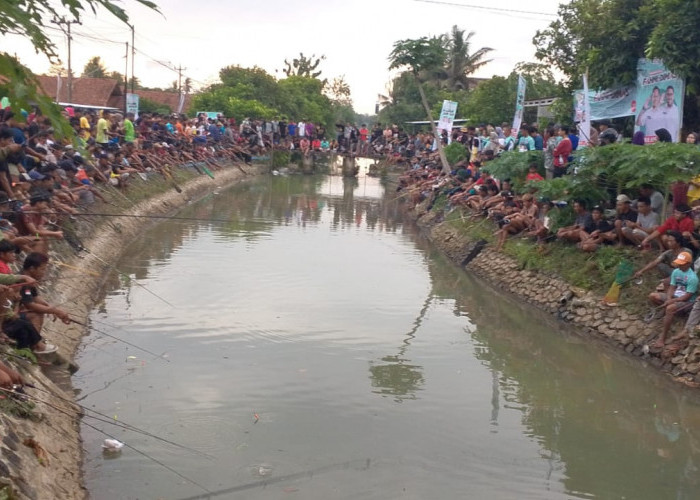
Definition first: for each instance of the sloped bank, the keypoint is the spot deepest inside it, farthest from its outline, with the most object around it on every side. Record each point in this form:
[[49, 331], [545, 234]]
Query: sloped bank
[[549, 292], [56, 474]]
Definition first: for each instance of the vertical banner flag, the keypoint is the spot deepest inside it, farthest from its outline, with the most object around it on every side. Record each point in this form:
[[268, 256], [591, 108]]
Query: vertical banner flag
[[659, 100], [583, 116], [132, 104], [447, 117], [519, 106]]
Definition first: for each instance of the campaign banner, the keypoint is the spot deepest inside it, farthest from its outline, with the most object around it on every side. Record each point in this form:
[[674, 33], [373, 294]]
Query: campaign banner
[[659, 100], [607, 103], [447, 116], [584, 118], [132, 104], [519, 107]]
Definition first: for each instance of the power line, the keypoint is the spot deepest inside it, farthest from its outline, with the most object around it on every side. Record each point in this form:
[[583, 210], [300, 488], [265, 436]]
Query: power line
[[495, 10]]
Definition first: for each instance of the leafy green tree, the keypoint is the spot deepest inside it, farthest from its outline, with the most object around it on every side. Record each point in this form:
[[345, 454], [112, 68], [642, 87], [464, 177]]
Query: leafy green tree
[[95, 68], [28, 18], [303, 66], [460, 62], [421, 55], [149, 106], [492, 101]]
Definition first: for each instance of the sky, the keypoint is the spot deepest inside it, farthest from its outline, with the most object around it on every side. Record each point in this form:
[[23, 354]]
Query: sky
[[355, 36]]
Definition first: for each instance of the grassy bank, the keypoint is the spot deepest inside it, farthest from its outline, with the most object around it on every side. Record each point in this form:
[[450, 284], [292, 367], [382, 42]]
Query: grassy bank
[[591, 271]]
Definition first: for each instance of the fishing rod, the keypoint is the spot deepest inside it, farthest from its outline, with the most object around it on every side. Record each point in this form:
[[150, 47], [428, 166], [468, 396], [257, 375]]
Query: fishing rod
[[128, 277], [134, 216], [60, 410], [118, 423], [159, 356]]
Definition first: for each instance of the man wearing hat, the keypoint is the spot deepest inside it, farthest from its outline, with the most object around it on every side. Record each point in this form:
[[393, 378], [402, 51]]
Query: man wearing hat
[[624, 215], [680, 294]]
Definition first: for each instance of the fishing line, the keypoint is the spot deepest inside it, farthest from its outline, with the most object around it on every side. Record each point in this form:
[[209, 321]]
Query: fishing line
[[34, 398], [118, 423], [159, 356]]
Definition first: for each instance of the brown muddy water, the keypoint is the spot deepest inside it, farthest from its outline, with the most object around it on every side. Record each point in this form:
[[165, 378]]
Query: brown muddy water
[[317, 347]]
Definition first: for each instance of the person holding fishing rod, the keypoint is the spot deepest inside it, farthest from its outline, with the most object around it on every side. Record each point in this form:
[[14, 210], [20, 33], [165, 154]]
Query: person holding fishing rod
[[680, 296], [33, 307]]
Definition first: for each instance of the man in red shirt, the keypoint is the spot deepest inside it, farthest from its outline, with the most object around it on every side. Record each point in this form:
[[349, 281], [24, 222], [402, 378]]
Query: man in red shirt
[[680, 221], [562, 151], [363, 139]]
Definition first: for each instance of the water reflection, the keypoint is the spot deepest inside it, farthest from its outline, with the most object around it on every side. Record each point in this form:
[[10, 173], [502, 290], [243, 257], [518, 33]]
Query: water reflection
[[621, 430], [600, 424], [396, 375]]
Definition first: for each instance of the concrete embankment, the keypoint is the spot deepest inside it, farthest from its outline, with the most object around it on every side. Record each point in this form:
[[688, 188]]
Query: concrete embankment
[[49, 466], [621, 328]]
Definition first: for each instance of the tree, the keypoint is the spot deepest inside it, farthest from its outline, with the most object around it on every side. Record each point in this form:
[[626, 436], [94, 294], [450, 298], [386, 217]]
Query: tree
[[338, 91], [187, 85], [460, 63], [421, 55], [95, 68], [303, 66], [607, 37], [28, 18]]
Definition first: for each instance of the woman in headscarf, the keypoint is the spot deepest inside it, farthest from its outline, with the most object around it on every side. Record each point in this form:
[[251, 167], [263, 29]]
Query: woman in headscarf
[[663, 135], [638, 138]]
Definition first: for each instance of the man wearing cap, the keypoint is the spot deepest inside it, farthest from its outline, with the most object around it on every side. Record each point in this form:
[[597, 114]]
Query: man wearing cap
[[680, 295], [625, 215]]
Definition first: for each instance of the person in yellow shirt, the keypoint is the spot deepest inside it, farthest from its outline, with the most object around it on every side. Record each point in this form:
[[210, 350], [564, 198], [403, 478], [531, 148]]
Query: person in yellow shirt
[[694, 190], [102, 129]]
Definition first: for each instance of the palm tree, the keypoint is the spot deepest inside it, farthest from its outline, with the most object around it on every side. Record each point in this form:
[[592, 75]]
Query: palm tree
[[421, 56], [460, 63]]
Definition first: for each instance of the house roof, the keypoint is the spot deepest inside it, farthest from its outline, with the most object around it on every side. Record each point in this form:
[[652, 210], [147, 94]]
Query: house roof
[[169, 99], [105, 92], [86, 91]]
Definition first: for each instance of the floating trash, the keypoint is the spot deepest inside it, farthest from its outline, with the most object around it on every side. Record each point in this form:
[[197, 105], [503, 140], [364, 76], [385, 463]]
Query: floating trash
[[112, 446]]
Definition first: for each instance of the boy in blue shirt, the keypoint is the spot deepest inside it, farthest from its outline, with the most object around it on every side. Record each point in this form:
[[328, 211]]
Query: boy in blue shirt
[[680, 296]]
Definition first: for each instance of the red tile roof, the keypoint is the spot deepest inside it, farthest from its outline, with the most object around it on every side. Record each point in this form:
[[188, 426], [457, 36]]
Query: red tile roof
[[86, 91], [105, 92]]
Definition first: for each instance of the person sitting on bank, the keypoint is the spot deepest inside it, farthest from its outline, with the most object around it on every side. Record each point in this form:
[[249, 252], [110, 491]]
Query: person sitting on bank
[[574, 232], [680, 221], [647, 221], [597, 232], [673, 240], [32, 306], [680, 295], [623, 215], [518, 221], [33, 222]]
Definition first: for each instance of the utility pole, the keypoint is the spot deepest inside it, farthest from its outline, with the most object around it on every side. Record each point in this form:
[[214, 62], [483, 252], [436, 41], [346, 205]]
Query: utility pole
[[133, 55], [70, 39], [179, 79], [126, 79]]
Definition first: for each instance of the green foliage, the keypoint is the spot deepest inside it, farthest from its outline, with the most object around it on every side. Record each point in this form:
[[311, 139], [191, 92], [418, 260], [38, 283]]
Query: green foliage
[[455, 152], [460, 62], [149, 106], [514, 165], [492, 101], [19, 409], [280, 158], [95, 68], [303, 66], [26, 353]]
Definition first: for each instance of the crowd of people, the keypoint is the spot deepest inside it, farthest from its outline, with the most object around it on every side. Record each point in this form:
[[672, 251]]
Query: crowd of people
[[46, 181], [631, 219]]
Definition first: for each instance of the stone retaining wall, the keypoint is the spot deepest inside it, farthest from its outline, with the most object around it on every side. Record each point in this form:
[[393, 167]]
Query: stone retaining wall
[[574, 305]]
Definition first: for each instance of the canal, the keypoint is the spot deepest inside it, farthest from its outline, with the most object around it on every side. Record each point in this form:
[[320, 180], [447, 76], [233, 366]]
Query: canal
[[315, 346]]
